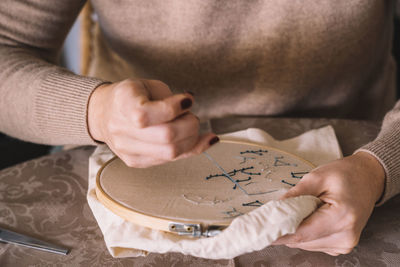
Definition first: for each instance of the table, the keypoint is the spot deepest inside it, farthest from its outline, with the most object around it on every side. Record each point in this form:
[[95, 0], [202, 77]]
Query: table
[[46, 198]]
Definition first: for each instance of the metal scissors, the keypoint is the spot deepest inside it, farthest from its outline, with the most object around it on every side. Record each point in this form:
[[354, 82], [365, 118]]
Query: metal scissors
[[8, 236]]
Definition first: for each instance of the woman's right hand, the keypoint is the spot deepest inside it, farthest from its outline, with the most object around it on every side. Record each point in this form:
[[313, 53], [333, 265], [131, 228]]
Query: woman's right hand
[[144, 123]]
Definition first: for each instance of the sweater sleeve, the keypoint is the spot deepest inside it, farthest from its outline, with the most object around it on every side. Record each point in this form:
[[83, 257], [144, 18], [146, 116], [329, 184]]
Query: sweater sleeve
[[41, 102], [386, 148]]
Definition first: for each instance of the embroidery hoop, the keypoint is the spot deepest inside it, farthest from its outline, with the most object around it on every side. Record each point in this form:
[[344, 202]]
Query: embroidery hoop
[[187, 226]]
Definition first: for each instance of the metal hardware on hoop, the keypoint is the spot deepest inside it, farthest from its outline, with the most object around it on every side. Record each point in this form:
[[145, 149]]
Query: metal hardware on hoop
[[195, 230]]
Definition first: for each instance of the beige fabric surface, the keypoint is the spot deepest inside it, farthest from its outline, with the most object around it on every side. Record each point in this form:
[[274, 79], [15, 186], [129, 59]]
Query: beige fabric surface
[[247, 233]]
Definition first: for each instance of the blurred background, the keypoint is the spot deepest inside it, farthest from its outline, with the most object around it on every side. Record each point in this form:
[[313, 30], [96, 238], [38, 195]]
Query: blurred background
[[19, 151]]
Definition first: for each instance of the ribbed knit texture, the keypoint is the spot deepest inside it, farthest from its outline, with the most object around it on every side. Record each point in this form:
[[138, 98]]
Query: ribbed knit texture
[[386, 148], [61, 107], [41, 102], [275, 57]]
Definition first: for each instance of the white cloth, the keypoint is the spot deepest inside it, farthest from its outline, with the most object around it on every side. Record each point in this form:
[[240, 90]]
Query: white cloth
[[250, 232]]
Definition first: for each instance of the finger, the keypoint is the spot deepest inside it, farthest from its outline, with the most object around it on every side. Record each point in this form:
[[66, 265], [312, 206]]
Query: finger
[[323, 222], [144, 161], [205, 142], [308, 185], [140, 161], [179, 129], [341, 243], [331, 252], [157, 89], [158, 151], [160, 91], [141, 111], [137, 90], [161, 111]]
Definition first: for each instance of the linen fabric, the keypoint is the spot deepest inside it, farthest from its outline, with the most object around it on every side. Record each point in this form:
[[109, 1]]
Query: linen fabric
[[247, 233], [278, 57]]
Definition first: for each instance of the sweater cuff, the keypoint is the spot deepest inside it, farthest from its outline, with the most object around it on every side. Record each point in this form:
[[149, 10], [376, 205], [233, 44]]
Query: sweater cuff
[[386, 149], [61, 108]]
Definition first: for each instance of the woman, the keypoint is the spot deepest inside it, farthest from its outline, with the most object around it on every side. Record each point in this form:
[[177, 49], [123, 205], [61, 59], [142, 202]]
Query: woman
[[292, 58]]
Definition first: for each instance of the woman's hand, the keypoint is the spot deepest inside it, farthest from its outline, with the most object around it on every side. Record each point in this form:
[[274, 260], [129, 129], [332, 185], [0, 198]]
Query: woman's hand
[[144, 123], [349, 189]]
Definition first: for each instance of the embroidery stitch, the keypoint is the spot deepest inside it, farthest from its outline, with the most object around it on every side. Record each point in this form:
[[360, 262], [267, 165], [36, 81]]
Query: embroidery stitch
[[232, 173], [257, 152], [250, 173], [244, 158], [225, 173], [253, 204], [198, 200], [298, 175], [236, 182], [279, 162], [239, 181], [283, 181], [233, 213]]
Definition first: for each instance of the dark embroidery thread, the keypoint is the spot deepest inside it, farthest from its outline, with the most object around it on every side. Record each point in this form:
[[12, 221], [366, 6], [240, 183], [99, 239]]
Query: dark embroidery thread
[[257, 152], [253, 204], [232, 213], [283, 181], [236, 182], [244, 159], [279, 162], [234, 172], [298, 175]]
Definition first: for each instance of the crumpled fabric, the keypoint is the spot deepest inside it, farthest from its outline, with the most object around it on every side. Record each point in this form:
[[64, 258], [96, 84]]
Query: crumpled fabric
[[250, 232]]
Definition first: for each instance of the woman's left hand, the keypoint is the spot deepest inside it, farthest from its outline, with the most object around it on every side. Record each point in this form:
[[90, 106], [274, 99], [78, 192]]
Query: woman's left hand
[[349, 189]]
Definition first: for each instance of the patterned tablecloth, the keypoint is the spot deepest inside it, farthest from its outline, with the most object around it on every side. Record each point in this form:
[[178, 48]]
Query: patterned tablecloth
[[46, 198]]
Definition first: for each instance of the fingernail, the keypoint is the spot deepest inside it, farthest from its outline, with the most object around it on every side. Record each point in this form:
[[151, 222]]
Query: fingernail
[[214, 140], [189, 92], [186, 103]]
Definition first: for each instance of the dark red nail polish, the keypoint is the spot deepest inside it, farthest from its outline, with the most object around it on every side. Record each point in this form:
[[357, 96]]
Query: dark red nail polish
[[186, 103], [214, 140]]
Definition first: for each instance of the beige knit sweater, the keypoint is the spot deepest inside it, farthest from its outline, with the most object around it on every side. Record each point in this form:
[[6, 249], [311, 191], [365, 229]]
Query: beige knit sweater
[[275, 57]]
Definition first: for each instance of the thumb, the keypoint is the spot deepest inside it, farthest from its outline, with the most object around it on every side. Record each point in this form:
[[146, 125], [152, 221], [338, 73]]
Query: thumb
[[157, 89], [308, 185]]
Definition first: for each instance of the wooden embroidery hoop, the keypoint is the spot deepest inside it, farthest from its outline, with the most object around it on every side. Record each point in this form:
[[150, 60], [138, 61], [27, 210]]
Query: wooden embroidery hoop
[[181, 226]]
